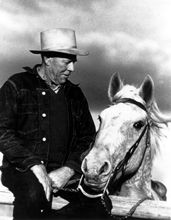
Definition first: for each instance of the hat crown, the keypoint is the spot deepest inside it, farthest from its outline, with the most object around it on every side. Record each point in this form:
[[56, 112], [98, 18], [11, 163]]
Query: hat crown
[[59, 38]]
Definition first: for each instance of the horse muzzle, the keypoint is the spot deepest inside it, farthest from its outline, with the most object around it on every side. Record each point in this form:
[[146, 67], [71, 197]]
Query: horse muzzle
[[91, 189]]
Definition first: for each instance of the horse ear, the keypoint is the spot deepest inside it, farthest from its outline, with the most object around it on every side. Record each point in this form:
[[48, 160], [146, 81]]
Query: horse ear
[[146, 90], [115, 84]]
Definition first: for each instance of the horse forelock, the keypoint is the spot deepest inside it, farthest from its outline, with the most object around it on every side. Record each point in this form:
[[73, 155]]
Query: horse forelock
[[129, 91]]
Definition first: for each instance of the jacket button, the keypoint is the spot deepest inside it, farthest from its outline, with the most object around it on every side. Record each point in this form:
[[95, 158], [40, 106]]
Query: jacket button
[[43, 93], [44, 139], [44, 115]]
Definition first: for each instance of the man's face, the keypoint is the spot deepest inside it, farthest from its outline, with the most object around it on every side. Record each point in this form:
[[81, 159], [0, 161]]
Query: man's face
[[60, 68]]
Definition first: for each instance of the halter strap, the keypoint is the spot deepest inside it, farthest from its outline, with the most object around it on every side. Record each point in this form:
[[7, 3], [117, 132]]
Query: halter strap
[[122, 164], [132, 101]]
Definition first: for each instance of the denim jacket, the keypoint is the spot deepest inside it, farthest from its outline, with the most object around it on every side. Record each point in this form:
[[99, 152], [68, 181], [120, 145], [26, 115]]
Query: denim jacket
[[24, 129]]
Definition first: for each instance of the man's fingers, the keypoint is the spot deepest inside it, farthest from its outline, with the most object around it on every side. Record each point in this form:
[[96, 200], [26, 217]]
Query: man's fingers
[[48, 194], [47, 188], [55, 189], [42, 176], [47, 191]]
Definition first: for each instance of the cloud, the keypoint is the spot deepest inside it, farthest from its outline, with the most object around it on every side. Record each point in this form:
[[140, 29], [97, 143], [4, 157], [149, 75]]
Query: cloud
[[122, 37], [121, 47], [129, 36]]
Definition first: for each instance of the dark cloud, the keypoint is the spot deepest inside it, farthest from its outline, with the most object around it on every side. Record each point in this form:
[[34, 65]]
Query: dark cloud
[[76, 4], [14, 64], [21, 6], [93, 73], [117, 33], [35, 6]]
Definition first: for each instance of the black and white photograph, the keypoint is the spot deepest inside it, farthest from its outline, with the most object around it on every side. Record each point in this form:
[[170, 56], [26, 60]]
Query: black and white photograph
[[85, 109]]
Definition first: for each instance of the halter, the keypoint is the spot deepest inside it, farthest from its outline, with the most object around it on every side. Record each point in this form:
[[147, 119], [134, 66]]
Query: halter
[[132, 101], [123, 163], [121, 167]]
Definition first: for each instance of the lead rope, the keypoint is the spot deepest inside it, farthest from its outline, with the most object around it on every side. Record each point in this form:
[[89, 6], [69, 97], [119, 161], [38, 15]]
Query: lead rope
[[107, 204]]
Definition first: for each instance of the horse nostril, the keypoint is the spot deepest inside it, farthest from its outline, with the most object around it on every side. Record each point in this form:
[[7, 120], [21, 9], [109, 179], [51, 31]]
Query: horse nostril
[[105, 168]]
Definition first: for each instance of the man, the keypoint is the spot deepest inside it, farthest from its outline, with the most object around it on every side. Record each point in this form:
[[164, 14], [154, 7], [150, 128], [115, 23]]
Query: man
[[45, 125]]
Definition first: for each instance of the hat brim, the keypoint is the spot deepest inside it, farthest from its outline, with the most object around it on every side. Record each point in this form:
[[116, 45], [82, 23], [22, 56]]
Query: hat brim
[[73, 51]]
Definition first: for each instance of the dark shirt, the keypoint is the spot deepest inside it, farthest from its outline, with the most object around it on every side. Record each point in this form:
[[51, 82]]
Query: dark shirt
[[58, 129]]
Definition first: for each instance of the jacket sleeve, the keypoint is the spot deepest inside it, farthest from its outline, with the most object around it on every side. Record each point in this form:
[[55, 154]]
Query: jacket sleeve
[[85, 133], [10, 144]]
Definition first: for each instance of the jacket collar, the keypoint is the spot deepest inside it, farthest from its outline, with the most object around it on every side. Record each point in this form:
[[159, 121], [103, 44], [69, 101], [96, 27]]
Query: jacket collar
[[33, 70]]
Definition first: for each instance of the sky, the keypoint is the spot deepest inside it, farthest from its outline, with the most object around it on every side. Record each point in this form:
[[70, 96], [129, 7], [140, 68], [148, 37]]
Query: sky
[[132, 37]]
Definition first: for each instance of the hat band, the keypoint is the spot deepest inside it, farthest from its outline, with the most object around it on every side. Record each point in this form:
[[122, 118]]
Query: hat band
[[59, 48]]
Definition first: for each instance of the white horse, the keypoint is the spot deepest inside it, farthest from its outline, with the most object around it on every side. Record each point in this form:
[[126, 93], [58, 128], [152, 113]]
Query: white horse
[[121, 157]]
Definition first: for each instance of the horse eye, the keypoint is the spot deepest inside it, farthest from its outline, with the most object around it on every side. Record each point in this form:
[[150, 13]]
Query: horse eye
[[138, 125]]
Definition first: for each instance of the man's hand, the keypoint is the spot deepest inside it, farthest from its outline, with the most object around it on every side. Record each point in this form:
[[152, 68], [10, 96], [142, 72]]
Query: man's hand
[[60, 177], [41, 174]]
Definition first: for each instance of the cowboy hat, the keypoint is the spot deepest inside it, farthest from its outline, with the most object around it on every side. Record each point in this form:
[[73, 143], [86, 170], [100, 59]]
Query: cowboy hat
[[60, 40]]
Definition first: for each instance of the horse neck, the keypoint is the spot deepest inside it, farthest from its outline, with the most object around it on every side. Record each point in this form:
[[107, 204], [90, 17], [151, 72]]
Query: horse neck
[[140, 184]]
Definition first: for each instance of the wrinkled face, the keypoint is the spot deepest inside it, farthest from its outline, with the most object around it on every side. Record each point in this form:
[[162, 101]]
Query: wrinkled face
[[60, 68], [120, 127]]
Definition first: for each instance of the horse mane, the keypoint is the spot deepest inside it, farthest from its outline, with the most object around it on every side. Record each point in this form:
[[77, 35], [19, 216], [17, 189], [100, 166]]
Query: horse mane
[[159, 123]]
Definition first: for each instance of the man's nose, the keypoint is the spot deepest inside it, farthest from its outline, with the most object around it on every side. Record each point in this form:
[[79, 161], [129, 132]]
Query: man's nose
[[70, 66]]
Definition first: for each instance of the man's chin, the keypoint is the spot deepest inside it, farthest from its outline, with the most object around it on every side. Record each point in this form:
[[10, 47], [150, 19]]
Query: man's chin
[[60, 82], [63, 80]]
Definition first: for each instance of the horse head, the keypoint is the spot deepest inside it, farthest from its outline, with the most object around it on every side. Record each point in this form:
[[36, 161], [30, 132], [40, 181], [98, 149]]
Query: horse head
[[121, 156]]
